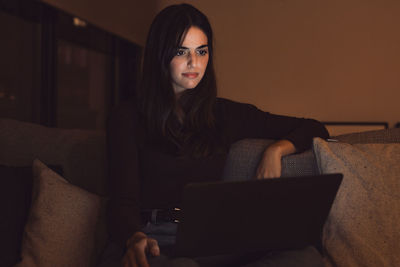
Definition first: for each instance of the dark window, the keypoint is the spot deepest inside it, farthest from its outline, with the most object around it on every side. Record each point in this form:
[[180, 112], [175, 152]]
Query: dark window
[[19, 67], [59, 70]]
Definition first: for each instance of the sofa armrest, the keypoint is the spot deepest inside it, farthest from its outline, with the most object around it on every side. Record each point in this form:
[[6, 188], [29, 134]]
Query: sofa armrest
[[244, 156]]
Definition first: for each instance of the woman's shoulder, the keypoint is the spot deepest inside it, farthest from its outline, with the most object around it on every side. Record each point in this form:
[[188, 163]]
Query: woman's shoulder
[[227, 105]]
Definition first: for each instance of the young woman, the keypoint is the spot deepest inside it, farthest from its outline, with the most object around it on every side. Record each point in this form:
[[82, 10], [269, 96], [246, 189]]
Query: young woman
[[176, 132]]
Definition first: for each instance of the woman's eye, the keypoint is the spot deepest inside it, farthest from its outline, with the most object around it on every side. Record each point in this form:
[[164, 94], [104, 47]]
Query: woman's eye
[[202, 52], [181, 52]]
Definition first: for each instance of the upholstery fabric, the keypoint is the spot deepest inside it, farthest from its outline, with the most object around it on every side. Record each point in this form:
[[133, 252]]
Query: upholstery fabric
[[363, 227], [61, 224], [243, 159], [378, 137]]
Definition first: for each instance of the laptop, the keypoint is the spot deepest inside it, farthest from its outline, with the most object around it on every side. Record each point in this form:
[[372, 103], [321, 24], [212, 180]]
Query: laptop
[[220, 218]]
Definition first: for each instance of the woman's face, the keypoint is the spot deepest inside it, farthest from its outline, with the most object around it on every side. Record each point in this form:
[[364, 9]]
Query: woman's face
[[190, 62]]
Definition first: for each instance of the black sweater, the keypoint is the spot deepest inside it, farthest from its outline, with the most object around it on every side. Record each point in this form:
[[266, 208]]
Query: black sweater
[[143, 176]]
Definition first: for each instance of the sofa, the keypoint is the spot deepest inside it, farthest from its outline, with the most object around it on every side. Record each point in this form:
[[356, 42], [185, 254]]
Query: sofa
[[54, 190]]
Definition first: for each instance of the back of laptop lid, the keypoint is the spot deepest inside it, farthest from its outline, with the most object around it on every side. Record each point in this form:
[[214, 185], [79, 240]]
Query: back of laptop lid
[[256, 215]]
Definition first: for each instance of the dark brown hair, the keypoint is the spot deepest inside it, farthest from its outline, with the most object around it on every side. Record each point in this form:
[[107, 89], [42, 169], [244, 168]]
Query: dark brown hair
[[157, 101]]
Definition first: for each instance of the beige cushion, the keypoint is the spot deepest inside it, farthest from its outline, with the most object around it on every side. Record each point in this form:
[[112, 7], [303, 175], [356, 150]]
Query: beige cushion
[[363, 227], [61, 223]]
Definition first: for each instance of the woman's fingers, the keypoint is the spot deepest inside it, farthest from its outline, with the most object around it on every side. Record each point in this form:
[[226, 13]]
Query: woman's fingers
[[137, 246], [152, 247], [129, 259], [140, 257], [135, 255], [260, 172], [269, 166]]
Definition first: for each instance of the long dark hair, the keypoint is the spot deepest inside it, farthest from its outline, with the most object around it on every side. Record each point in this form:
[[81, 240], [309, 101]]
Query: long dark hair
[[157, 102]]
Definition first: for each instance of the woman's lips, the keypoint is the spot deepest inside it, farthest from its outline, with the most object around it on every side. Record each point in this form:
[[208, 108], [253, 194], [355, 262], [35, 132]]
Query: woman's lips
[[190, 75]]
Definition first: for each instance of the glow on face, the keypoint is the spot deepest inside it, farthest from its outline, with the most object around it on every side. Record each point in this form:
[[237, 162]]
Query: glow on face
[[190, 62]]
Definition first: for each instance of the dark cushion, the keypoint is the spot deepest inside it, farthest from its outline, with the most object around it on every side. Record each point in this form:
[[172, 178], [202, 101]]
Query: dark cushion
[[15, 202]]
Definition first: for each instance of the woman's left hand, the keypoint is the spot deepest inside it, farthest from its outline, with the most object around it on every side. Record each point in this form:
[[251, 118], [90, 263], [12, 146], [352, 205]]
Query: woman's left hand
[[270, 165]]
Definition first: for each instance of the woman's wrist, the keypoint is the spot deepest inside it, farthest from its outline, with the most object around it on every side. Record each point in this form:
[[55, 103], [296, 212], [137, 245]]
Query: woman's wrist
[[134, 238], [280, 148]]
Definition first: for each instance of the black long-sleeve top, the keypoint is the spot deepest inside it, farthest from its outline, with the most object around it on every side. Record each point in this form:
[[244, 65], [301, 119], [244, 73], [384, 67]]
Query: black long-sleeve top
[[143, 176]]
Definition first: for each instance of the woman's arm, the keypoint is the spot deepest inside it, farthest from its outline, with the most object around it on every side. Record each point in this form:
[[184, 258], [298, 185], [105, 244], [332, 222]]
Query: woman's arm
[[270, 164], [295, 140], [292, 135]]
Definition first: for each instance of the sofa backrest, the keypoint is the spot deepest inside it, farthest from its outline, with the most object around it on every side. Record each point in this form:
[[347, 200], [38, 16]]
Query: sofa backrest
[[81, 153]]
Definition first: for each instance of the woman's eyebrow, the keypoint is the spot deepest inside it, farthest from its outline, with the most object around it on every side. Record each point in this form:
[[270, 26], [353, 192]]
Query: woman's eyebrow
[[184, 47]]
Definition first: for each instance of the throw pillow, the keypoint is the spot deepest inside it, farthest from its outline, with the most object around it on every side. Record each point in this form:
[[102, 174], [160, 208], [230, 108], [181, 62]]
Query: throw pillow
[[363, 227], [61, 224], [15, 201]]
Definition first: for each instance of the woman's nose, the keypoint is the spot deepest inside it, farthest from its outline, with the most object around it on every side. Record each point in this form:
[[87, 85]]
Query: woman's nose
[[192, 60]]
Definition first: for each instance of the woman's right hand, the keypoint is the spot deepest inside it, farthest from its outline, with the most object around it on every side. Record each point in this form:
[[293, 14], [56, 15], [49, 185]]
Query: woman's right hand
[[137, 246]]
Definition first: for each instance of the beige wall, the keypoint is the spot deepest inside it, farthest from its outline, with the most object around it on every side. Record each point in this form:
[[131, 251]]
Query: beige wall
[[331, 60], [127, 18]]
